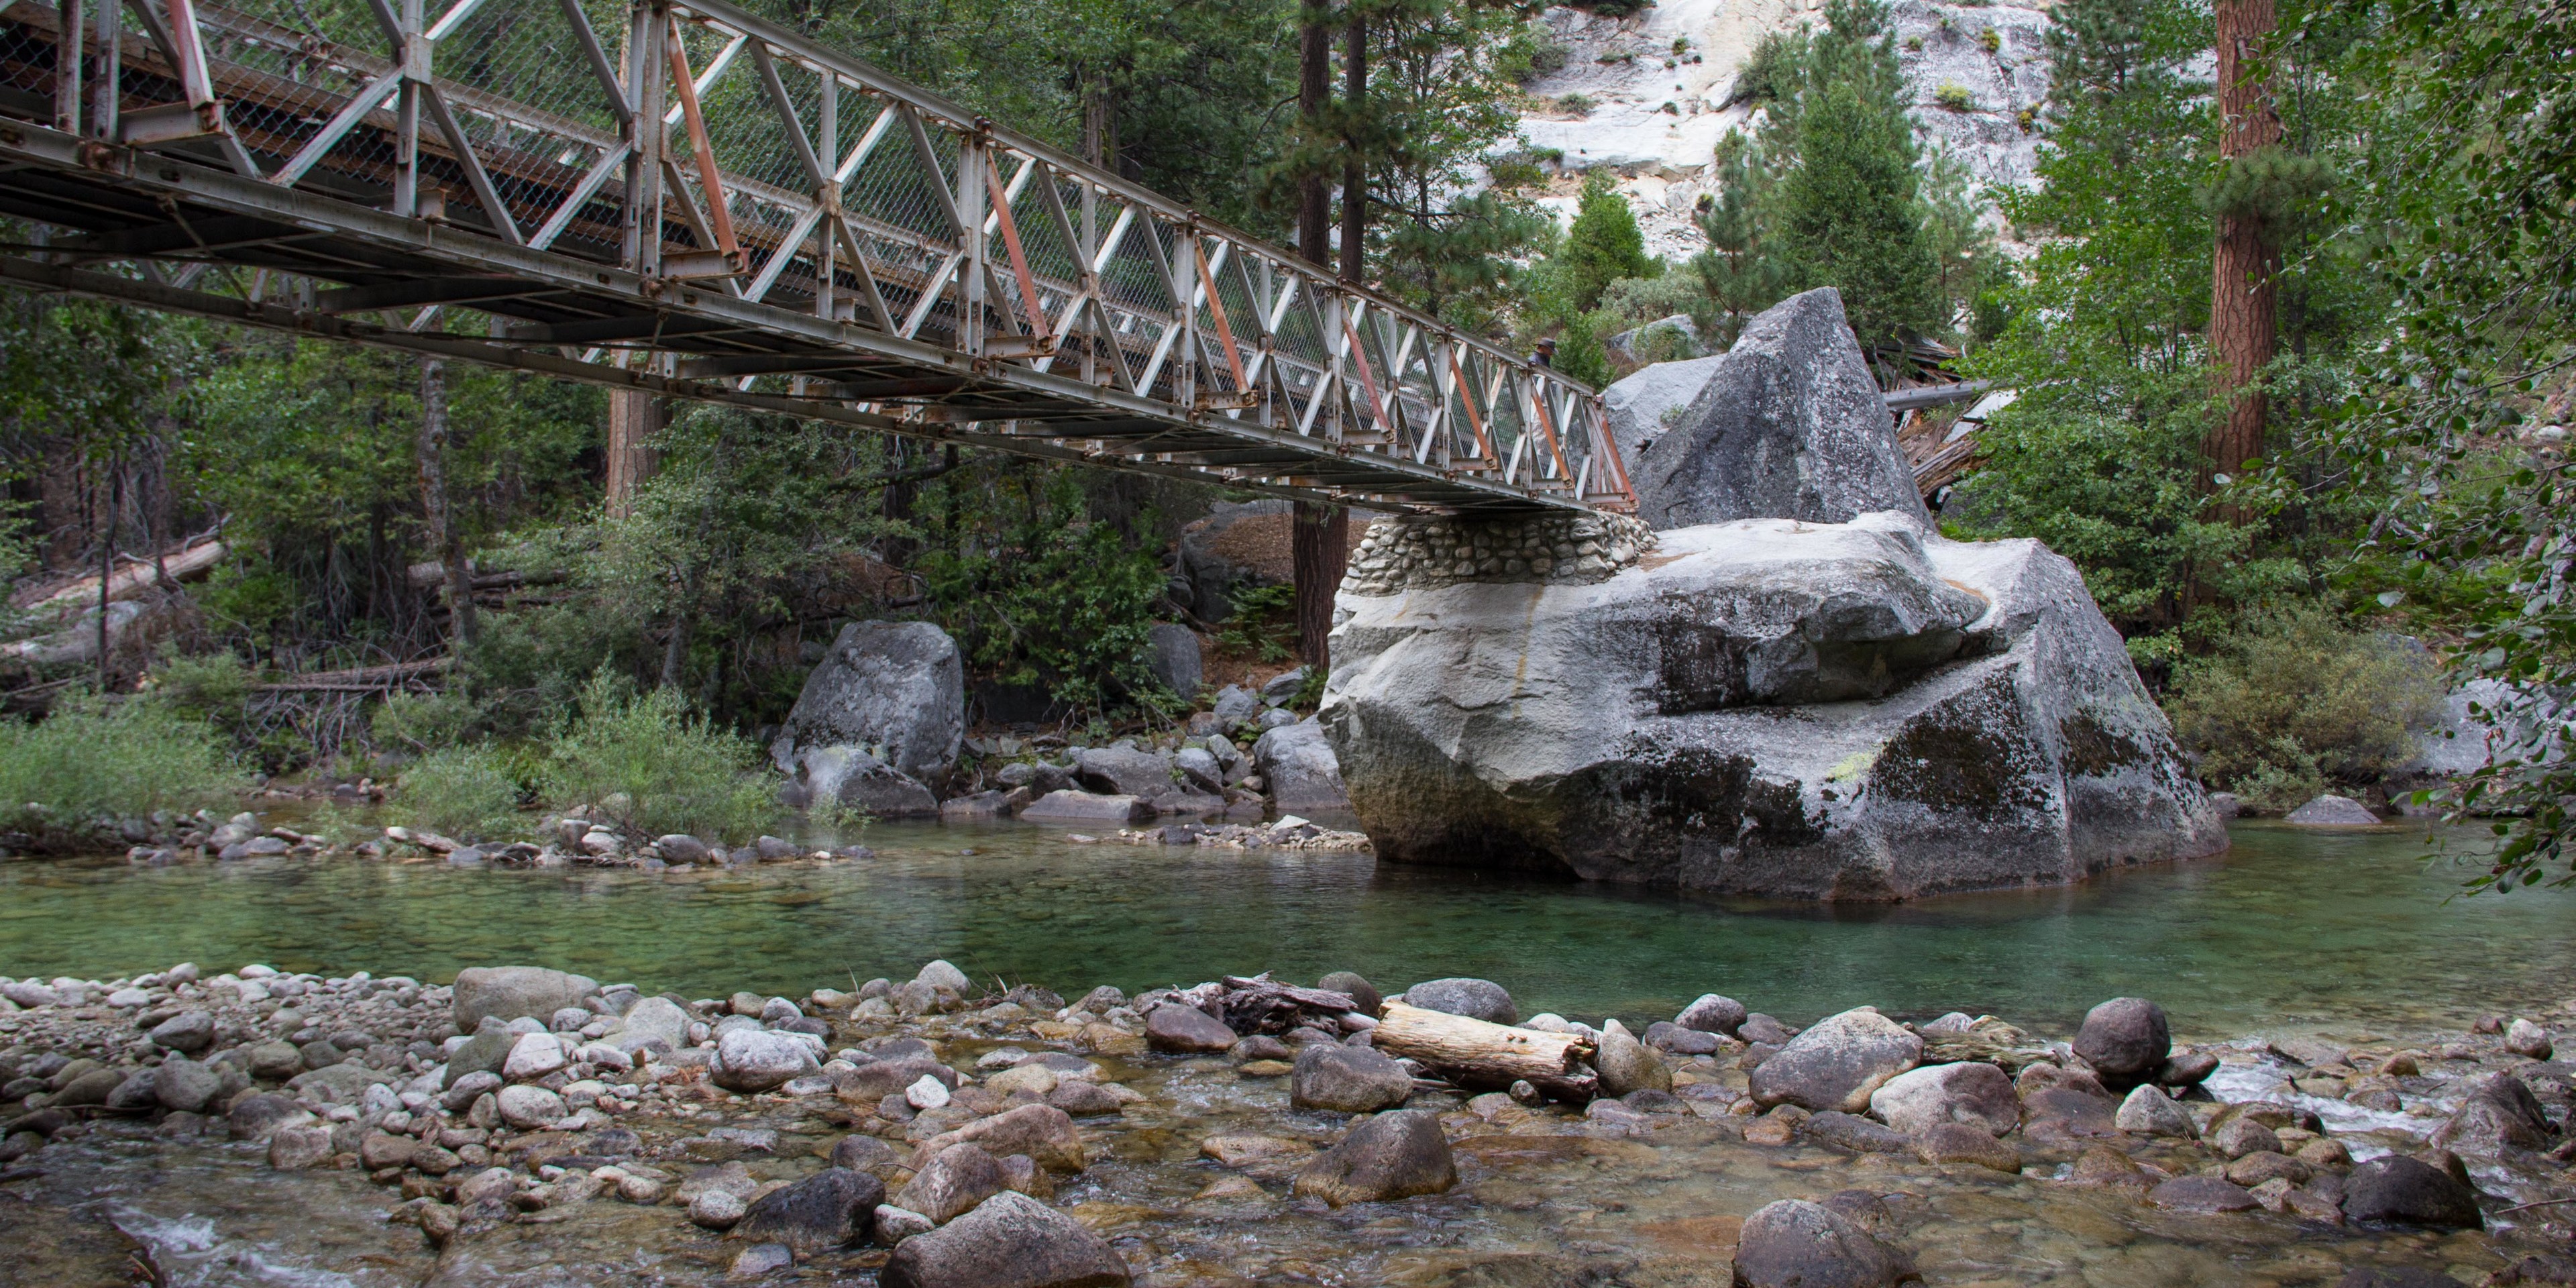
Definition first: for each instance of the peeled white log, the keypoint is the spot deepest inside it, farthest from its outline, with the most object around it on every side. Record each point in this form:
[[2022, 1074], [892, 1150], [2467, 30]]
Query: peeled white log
[[1476, 1051]]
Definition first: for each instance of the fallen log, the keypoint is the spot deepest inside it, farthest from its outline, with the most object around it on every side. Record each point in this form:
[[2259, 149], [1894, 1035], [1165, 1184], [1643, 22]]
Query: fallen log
[[185, 563], [364, 679], [1264, 1005], [1476, 1053]]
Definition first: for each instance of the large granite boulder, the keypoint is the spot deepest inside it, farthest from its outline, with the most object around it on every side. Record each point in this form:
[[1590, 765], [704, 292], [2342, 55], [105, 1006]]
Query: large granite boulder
[[1861, 711], [1788, 425], [894, 691], [1297, 762], [849, 776]]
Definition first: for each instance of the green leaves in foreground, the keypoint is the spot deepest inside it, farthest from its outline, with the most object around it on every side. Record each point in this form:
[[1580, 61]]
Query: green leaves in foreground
[[647, 765]]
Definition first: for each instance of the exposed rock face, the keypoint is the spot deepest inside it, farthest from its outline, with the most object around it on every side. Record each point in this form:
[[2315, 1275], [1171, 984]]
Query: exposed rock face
[[894, 690], [1790, 425], [1851, 711]]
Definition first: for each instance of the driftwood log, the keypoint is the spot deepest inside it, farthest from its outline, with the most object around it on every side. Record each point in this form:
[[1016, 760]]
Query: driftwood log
[[1474, 1053], [1261, 1004]]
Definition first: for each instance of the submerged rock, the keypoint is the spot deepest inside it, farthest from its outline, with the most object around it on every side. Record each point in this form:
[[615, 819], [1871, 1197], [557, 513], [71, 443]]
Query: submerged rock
[[1793, 1243], [2395, 1189], [827, 1210], [1009, 1241], [1350, 1080], [1391, 1156]]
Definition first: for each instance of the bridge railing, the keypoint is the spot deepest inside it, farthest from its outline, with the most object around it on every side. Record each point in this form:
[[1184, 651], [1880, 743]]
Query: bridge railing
[[696, 142]]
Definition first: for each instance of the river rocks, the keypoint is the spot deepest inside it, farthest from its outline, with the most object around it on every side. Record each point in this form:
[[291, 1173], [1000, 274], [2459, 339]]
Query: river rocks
[[534, 1056], [1043, 1132], [1713, 1013], [1174, 655], [827, 1210], [2524, 1038], [1298, 763], [188, 1032], [1626, 1065], [1117, 771], [1390, 1156], [1477, 999], [1790, 425], [2125, 1040], [528, 1108], [1956, 1142], [183, 1084], [2394, 1189], [2332, 811], [2499, 1111], [295, 1146], [2150, 1112], [509, 992], [952, 1183], [1187, 1030], [718, 1209], [381, 1149], [1793, 1243], [653, 1024], [756, 1060], [255, 1117], [1349, 1080], [1364, 996], [2205, 1195], [854, 779], [1838, 1064], [1070, 806], [1861, 711], [2240, 1136], [895, 691], [1974, 1093], [1009, 1241]]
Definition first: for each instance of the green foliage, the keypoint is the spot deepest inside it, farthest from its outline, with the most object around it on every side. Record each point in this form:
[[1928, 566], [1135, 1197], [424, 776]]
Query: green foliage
[[1955, 97], [1739, 271], [1263, 623], [425, 722], [1989, 39], [2273, 184], [1603, 245], [468, 793], [91, 761], [2295, 695], [1532, 53], [650, 767], [1575, 104], [212, 690], [1774, 70]]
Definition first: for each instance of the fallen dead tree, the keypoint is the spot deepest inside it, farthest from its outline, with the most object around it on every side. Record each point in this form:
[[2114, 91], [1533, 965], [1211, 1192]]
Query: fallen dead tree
[[1475, 1053]]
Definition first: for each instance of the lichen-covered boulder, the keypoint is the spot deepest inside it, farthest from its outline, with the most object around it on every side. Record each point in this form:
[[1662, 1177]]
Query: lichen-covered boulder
[[1854, 711], [895, 690]]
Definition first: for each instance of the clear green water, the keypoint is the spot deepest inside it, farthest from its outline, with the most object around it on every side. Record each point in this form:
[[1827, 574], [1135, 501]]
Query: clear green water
[[2289, 931]]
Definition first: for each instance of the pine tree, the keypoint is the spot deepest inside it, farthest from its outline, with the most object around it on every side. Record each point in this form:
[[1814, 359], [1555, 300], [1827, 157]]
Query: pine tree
[[1741, 271], [1603, 246]]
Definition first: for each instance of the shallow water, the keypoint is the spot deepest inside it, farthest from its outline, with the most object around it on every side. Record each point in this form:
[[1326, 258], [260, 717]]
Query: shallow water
[[2291, 930]]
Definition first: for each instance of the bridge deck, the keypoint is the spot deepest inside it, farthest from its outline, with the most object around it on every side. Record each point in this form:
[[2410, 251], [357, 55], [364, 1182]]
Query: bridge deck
[[679, 196]]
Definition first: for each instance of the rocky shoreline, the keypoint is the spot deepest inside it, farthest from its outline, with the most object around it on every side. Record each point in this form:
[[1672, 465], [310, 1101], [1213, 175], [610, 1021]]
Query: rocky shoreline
[[943, 1132]]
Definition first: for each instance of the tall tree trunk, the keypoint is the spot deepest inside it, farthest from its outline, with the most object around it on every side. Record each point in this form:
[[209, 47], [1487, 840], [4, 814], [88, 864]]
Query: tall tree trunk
[[107, 560], [1099, 120], [443, 535], [2243, 297], [1354, 165], [1315, 544], [634, 417]]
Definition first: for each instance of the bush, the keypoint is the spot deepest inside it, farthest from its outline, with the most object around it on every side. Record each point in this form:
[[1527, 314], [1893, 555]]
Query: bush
[[1955, 97], [67, 779], [645, 765], [1990, 40], [1575, 104], [2295, 701], [465, 792]]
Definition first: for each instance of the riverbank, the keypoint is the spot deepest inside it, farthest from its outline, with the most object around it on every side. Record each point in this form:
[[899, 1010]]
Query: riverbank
[[419, 1139]]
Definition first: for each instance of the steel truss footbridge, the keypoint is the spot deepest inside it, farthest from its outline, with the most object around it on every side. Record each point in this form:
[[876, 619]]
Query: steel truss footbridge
[[683, 198]]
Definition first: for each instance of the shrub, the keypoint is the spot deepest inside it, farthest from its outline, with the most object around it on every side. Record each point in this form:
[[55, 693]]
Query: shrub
[[1955, 97], [66, 779], [1990, 39], [647, 766], [1263, 623], [1575, 104], [1914, 44], [464, 792], [2295, 700]]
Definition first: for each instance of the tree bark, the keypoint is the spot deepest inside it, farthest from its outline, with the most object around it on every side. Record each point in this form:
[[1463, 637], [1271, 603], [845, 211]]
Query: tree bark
[[1354, 165], [1317, 536], [634, 417], [107, 560], [443, 536], [1476, 1050], [2243, 297]]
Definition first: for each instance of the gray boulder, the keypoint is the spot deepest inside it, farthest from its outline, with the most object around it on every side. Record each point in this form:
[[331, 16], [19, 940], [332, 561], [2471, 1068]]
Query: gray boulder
[[1304, 775], [1174, 655], [1477, 999], [1187, 1030], [1349, 1080], [1009, 1241], [1664, 340], [1793, 1243], [2126, 1041], [1114, 771], [895, 687], [2498, 1111], [2396, 1190], [852, 778], [1647, 405], [1070, 806], [1837, 1064], [183, 1084], [1766, 707], [2150, 1112], [1975, 1093], [1626, 1065], [510, 992], [1713, 1013], [1790, 426], [1391, 1156], [750, 1059], [188, 1032], [2333, 811], [952, 1183], [1363, 994]]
